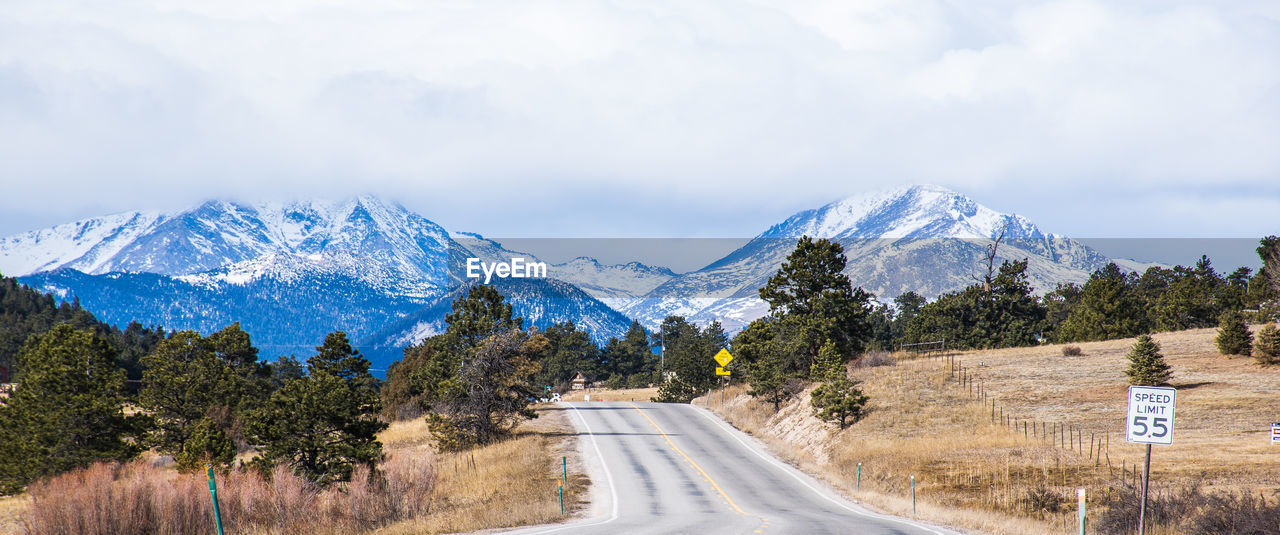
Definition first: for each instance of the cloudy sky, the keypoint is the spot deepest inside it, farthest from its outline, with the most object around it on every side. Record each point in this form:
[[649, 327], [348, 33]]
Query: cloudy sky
[[648, 118]]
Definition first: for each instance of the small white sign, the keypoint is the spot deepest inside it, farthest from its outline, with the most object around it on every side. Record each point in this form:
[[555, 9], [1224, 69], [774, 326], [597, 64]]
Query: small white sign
[[555, 397], [1275, 434], [1150, 415], [586, 397]]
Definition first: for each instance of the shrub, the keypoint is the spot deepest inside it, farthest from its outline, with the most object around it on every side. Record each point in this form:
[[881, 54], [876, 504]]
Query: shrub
[[1190, 511], [616, 382], [1072, 351], [839, 401], [138, 498], [872, 359], [1267, 346], [1234, 337]]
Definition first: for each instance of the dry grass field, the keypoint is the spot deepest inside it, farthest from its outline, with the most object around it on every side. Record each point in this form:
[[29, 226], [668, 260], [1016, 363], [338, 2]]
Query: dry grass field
[[512, 483], [983, 473]]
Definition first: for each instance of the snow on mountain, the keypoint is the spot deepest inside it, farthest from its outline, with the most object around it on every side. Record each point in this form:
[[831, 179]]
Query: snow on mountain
[[84, 245], [925, 239], [346, 236], [620, 281]]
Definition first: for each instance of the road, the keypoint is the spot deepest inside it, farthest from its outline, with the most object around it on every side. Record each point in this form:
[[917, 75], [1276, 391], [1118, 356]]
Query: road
[[675, 468]]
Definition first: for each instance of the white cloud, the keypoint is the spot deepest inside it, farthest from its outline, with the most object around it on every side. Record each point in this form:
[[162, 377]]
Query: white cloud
[[636, 117]]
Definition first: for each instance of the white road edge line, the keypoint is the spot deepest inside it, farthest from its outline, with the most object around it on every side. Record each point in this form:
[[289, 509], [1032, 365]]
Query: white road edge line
[[613, 491], [787, 469]]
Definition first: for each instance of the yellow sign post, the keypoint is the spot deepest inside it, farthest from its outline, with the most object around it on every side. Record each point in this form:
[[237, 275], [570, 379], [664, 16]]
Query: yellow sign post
[[723, 358]]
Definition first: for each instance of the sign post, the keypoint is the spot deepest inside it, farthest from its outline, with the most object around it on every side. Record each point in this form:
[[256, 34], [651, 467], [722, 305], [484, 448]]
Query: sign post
[[1275, 433], [1149, 421]]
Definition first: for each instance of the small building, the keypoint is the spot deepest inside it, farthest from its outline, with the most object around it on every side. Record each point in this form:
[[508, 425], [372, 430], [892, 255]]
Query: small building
[[579, 382]]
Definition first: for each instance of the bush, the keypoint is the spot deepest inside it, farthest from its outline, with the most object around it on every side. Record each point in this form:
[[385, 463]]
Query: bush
[[616, 382], [1189, 510], [839, 401], [1234, 337], [138, 498], [872, 359], [639, 380], [1267, 346], [1072, 351]]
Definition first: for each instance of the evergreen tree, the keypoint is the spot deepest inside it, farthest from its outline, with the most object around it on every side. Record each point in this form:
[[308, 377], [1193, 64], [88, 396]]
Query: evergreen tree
[[1233, 337], [1267, 346], [1269, 251], [838, 401], [1002, 313], [1192, 299], [1146, 365], [768, 381], [68, 411], [431, 374], [829, 366], [812, 299], [569, 351], [689, 359], [494, 392], [325, 423], [206, 443], [185, 382], [1109, 307]]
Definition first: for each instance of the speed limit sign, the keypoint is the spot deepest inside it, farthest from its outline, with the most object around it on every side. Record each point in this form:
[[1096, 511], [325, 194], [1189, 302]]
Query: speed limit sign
[[1150, 415]]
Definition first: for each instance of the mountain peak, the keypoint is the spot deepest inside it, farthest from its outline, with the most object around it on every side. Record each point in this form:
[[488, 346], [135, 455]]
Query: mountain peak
[[911, 211]]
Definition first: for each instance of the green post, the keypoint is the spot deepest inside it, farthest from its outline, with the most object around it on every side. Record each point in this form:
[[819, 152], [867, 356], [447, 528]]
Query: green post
[[913, 495], [859, 485], [213, 491], [560, 492], [564, 461], [1080, 496]]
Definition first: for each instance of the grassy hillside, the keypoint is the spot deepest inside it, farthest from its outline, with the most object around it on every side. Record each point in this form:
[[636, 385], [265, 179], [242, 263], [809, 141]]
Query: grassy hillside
[[994, 473]]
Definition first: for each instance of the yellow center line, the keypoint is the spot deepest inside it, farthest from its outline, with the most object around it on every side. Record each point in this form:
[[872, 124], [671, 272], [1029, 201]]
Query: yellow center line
[[704, 473]]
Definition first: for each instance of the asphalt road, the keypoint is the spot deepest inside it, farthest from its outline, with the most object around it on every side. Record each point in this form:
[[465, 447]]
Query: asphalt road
[[674, 468]]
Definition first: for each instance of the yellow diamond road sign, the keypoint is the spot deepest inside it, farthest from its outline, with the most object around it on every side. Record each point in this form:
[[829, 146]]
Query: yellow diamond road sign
[[723, 357]]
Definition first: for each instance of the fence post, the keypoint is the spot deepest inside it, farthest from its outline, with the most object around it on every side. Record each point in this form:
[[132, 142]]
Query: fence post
[[564, 461], [913, 495], [213, 491], [560, 493], [1080, 507], [858, 486]]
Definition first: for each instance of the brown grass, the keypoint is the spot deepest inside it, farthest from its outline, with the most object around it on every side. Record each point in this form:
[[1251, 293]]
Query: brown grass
[[507, 484], [981, 474], [608, 394], [512, 483], [13, 509]]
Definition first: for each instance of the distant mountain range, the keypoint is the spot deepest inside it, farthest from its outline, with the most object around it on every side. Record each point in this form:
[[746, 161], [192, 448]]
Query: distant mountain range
[[290, 272]]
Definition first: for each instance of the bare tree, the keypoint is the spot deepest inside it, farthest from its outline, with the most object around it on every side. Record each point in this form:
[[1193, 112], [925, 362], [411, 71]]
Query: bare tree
[[990, 260]]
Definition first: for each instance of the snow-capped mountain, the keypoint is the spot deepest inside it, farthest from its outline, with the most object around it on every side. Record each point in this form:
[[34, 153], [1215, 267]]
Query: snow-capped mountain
[[407, 251], [925, 239], [289, 272]]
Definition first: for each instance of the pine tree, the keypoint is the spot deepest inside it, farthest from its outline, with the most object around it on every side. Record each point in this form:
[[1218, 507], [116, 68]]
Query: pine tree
[[68, 411], [493, 394], [838, 401], [830, 365], [1267, 346], [1234, 337], [1146, 365], [325, 423], [768, 381], [812, 298], [184, 383]]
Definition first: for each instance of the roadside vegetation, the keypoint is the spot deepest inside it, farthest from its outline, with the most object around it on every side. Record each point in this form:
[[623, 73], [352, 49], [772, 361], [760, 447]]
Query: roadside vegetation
[[973, 471]]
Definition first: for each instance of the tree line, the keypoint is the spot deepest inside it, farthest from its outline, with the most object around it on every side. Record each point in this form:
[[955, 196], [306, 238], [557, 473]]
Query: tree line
[[203, 400]]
